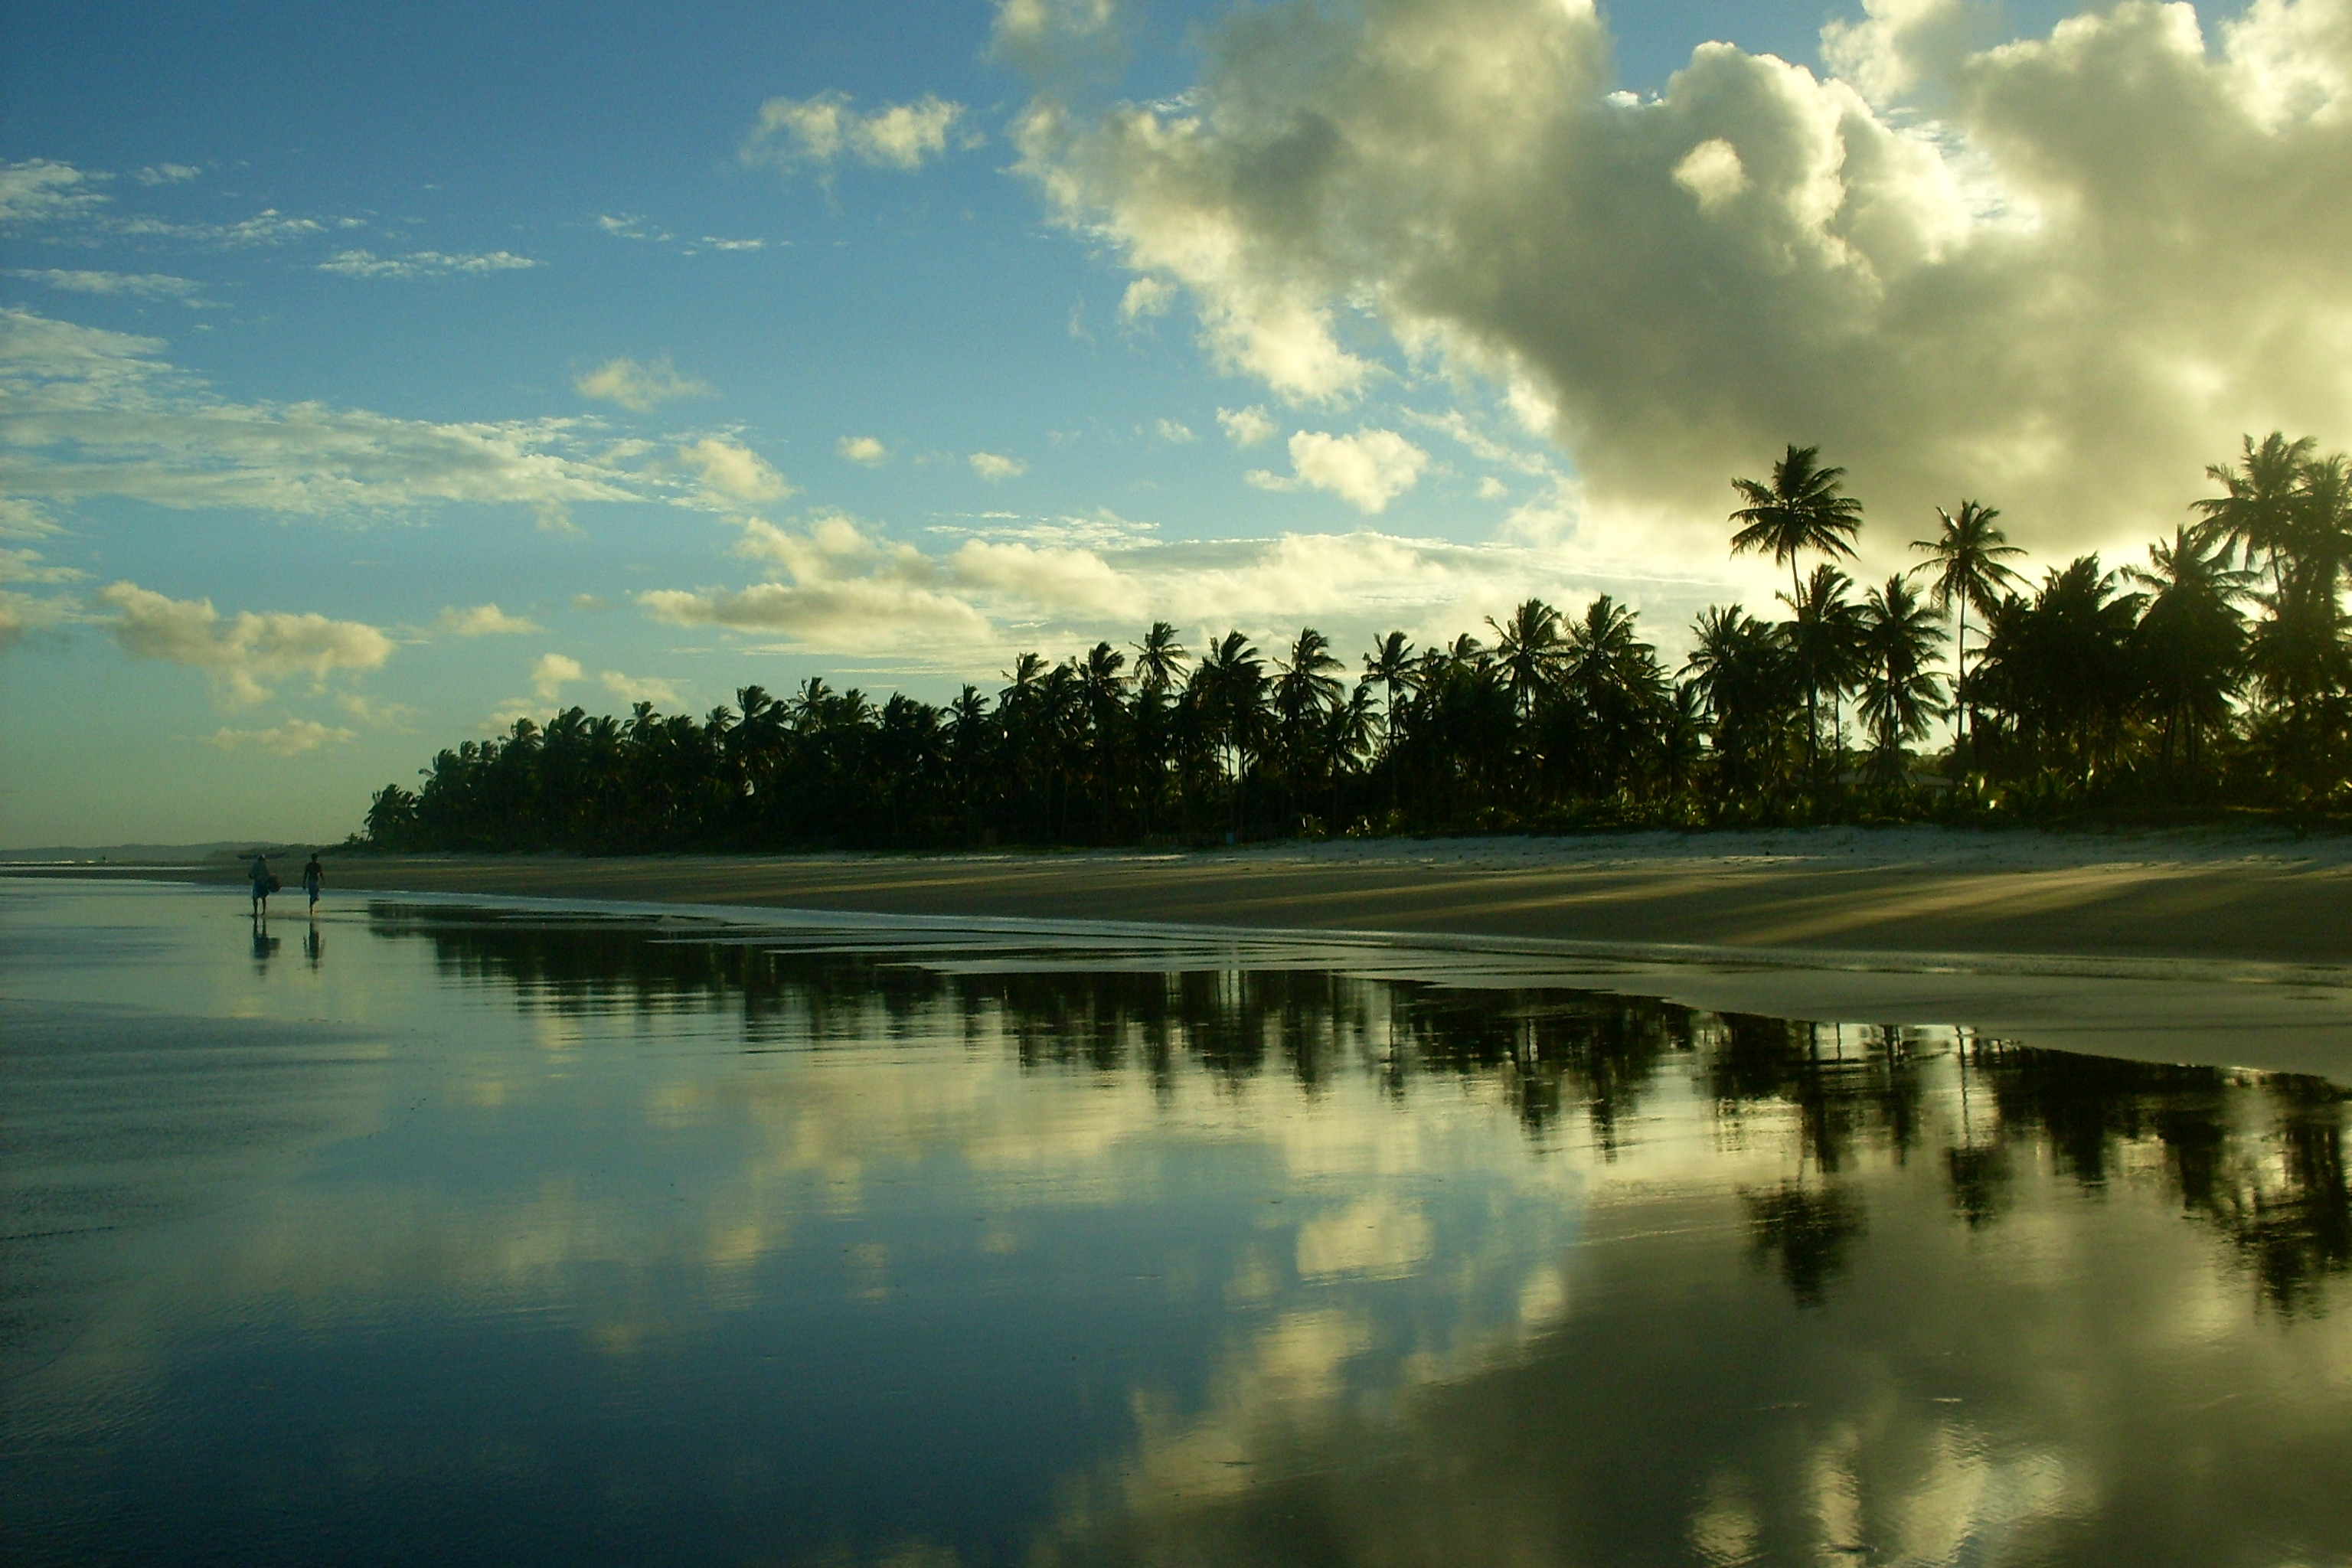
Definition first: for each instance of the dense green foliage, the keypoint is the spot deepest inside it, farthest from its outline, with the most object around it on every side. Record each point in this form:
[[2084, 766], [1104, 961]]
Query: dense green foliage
[[2219, 672]]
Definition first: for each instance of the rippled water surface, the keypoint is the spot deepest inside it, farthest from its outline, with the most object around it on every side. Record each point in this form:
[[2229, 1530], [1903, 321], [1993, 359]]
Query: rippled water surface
[[448, 1233]]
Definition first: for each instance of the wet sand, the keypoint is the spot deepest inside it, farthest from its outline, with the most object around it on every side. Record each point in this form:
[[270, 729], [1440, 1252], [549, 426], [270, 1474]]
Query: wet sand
[[2237, 898]]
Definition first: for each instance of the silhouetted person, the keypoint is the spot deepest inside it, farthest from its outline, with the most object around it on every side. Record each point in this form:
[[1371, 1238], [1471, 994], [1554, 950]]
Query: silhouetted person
[[263, 884], [313, 876]]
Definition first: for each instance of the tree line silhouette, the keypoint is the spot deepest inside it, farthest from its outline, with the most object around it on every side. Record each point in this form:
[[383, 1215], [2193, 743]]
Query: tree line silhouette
[[2218, 673]]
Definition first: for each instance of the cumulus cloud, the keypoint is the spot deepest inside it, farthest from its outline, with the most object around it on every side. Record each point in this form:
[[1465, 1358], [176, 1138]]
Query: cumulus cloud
[[730, 471], [168, 174], [243, 654], [993, 466], [423, 264], [1367, 470], [1245, 426], [551, 674], [841, 587], [639, 387], [290, 739], [633, 689], [1147, 297], [1173, 431], [2061, 274], [864, 450], [85, 412], [137, 285], [480, 621], [817, 132]]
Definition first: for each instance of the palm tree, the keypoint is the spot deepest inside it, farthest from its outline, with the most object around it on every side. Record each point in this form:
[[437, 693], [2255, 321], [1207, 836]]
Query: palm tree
[[2257, 508], [1232, 680], [1900, 696], [2190, 637], [1528, 649], [1965, 568], [1390, 663], [1158, 659], [1825, 637], [1801, 509]]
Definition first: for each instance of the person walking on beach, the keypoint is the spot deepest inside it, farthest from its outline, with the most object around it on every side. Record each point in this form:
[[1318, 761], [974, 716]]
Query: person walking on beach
[[313, 874], [263, 883]]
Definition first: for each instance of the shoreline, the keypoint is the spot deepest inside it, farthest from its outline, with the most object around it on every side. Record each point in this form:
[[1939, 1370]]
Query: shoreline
[[2262, 1016], [2191, 895]]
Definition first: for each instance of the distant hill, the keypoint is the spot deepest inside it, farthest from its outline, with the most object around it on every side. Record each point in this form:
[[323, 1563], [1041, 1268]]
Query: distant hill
[[151, 854]]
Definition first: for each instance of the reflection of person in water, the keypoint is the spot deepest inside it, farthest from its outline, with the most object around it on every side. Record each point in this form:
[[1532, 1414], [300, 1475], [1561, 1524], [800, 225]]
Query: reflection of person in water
[[312, 948], [313, 876], [261, 881]]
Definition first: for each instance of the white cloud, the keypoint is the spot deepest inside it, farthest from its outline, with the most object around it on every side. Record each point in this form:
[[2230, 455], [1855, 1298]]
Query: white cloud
[[634, 689], [639, 387], [41, 191], [374, 713], [290, 739], [862, 449], [25, 566], [731, 471], [990, 466], [1713, 173], [23, 613], [1245, 426], [240, 654], [816, 133], [22, 518], [1367, 470], [551, 674], [841, 588], [1147, 297], [85, 412], [168, 174], [2063, 274], [480, 621], [142, 285], [1173, 431], [423, 264]]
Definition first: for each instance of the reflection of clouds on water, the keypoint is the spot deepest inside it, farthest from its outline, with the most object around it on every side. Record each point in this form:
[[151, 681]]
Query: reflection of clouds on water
[[1356, 1269]]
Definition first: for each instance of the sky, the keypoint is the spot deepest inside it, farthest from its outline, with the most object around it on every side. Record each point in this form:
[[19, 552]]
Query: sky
[[370, 377]]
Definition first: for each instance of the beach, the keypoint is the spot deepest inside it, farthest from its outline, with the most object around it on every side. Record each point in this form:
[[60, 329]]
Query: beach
[[2235, 897]]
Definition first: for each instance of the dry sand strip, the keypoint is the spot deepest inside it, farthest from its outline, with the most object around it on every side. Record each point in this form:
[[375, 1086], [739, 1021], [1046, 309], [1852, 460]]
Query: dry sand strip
[[2231, 951]]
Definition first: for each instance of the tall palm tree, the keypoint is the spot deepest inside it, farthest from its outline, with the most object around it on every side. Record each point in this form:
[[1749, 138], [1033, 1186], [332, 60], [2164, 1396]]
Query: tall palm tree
[[1528, 649], [1900, 697], [1232, 678], [2258, 506], [2190, 637], [1825, 637], [1802, 509], [1391, 663], [1158, 659], [1965, 568]]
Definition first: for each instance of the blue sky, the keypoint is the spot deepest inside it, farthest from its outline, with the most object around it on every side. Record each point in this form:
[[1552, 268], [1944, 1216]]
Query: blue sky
[[883, 341]]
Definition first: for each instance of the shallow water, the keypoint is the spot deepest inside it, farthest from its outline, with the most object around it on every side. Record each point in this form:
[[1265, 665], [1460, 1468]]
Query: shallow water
[[436, 1232]]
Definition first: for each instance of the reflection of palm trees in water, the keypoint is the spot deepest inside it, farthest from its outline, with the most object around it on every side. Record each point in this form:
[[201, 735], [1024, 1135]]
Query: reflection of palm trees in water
[[2260, 1159]]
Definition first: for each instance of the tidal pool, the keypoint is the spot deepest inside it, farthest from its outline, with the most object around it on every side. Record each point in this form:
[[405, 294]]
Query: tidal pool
[[448, 1232]]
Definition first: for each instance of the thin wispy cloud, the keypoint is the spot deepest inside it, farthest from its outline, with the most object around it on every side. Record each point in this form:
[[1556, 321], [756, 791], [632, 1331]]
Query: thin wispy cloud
[[481, 621], [418, 264], [137, 285]]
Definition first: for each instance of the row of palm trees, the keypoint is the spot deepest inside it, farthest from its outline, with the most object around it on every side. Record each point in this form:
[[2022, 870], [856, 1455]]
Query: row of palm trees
[[2150, 687]]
